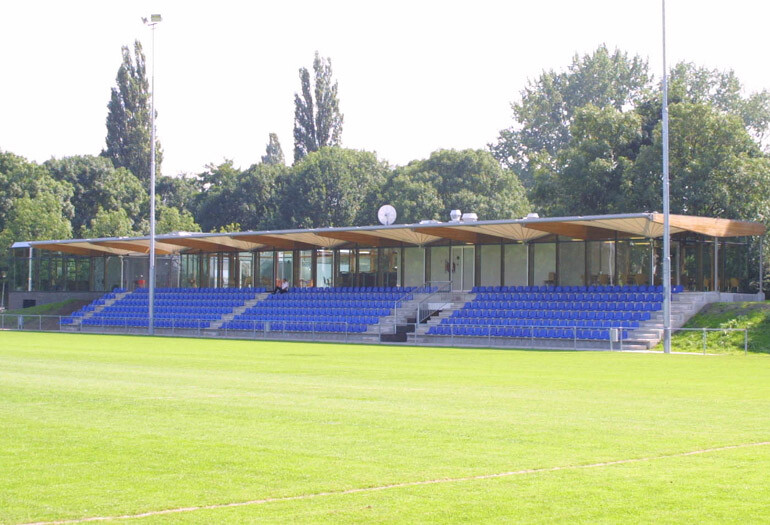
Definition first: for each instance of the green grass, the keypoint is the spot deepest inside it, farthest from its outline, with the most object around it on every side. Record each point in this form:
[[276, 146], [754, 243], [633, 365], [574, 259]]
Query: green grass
[[754, 316], [42, 309], [114, 425]]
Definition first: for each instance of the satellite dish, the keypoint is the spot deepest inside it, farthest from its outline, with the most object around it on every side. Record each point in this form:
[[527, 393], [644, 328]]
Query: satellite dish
[[387, 215]]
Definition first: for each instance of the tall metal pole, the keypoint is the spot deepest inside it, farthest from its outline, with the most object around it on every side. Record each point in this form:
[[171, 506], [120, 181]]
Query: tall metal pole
[[666, 211], [154, 19]]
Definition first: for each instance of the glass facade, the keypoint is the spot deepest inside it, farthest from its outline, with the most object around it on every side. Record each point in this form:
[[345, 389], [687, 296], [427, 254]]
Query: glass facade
[[324, 268], [440, 264], [562, 262], [414, 266], [572, 263], [391, 266], [265, 275], [285, 267], [306, 269], [515, 264], [544, 264], [490, 265]]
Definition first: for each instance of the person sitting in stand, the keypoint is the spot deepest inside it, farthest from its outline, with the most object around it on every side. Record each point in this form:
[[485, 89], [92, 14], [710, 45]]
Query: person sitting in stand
[[283, 288]]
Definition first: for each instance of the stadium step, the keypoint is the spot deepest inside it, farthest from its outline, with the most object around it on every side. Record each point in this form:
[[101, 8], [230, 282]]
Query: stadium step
[[238, 310]]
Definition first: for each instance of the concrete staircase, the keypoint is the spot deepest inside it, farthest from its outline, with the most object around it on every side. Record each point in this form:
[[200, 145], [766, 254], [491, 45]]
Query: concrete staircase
[[683, 307], [76, 321], [457, 301], [216, 325]]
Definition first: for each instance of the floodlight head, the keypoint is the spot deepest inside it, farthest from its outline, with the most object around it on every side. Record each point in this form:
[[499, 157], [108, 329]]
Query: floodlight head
[[156, 18]]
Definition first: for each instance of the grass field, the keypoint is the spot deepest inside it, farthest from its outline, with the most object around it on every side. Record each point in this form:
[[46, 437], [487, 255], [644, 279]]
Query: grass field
[[115, 426]]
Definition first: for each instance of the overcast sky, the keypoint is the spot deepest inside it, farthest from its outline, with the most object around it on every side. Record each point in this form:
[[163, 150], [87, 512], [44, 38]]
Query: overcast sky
[[414, 76]]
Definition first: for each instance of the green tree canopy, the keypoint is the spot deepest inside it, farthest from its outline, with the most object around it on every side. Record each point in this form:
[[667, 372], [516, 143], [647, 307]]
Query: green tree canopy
[[332, 187], [317, 120], [543, 116], [469, 180], [273, 152], [592, 175], [128, 118], [33, 219], [244, 197], [178, 192], [716, 167], [109, 223], [19, 178], [98, 185], [172, 220]]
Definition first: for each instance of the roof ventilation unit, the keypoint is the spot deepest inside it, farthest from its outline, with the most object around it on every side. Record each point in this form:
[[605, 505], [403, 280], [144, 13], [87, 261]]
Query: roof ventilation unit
[[470, 217], [455, 215]]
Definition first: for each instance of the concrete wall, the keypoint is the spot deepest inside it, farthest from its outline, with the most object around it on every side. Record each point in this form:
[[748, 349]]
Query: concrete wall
[[16, 299]]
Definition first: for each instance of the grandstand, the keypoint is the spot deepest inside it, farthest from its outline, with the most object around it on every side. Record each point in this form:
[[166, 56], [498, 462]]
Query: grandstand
[[543, 282]]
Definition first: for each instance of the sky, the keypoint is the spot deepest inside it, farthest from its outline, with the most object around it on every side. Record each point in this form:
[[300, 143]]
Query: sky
[[414, 76]]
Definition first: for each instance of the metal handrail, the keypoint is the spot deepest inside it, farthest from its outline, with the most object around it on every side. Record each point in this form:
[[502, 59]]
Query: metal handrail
[[442, 287]]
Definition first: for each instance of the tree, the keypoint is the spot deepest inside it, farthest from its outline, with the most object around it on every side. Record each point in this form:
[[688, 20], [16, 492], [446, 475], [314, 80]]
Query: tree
[[468, 180], [273, 152], [178, 192], [332, 187], [244, 197], [128, 118], [172, 220], [717, 169], [592, 175], [317, 123], [19, 178], [543, 116], [33, 219], [109, 223], [724, 91], [98, 185]]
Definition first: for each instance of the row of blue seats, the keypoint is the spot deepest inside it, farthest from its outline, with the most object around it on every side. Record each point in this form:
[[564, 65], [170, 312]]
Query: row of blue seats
[[143, 310], [144, 322], [592, 288], [224, 307], [277, 326], [309, 318], [325, 303], [384, 296], [198, 300], [354, 289], [198, 291], [144, 315], [569, 296], [538, 333], [379, 312], [597, 323], [550, 314], [543, 305]]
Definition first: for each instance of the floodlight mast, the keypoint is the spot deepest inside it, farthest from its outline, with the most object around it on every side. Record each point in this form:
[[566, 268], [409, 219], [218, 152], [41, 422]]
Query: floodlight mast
[[666, 210], [154, 20]]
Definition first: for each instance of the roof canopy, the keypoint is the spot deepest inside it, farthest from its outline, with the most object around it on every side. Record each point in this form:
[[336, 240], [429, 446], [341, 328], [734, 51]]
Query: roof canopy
[[648, 225]]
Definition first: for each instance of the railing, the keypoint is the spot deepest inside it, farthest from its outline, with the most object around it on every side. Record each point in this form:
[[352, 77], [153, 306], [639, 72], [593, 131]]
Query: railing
[[435, 300], [710, 340], [186, 327], [570, 337], [685, 340]]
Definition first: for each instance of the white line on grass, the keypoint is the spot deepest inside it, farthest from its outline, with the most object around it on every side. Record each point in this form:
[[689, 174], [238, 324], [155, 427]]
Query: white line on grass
[[396, 486]]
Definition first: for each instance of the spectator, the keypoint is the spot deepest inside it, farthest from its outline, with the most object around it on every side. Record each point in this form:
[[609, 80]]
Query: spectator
[[283, 288]]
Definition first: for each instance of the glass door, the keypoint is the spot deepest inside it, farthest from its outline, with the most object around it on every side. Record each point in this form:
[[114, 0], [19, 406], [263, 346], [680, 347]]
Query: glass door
[[462, 267]]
